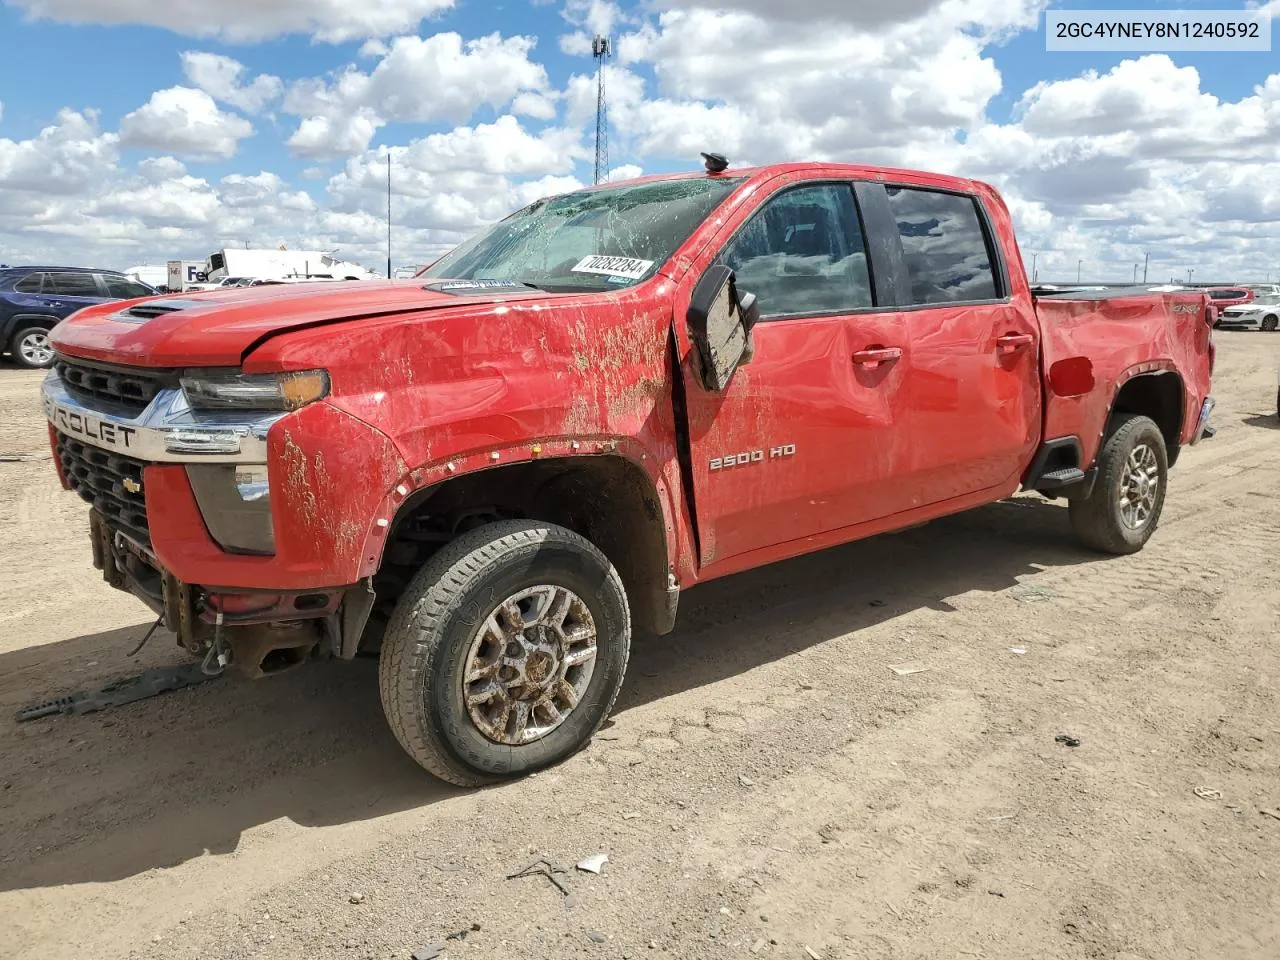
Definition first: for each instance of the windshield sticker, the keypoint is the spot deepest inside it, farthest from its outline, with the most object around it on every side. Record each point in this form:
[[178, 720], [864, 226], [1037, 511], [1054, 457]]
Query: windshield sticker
[[471, 286], [624, 267]]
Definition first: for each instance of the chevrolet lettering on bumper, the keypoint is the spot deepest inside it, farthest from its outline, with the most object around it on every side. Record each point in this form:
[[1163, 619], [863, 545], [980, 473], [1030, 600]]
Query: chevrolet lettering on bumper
[[101, 433]]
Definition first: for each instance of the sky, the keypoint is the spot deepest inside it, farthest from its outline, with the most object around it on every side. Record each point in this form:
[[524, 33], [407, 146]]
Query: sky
[[139, 131]]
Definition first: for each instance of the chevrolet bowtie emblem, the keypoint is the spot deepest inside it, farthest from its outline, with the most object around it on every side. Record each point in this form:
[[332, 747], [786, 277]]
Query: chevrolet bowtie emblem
[[132, 485]]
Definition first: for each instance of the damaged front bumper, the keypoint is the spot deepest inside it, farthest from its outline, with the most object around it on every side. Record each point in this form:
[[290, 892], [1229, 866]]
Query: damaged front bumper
[[249, 525]]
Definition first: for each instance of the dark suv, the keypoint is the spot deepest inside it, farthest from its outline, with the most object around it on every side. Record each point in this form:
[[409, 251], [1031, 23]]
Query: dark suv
[[34, 299]]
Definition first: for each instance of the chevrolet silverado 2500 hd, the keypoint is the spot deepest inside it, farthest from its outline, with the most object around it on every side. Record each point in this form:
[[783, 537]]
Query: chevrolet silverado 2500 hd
[[490, 473]]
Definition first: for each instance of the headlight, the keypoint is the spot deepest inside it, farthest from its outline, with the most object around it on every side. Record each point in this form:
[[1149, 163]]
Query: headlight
[[233, 390]]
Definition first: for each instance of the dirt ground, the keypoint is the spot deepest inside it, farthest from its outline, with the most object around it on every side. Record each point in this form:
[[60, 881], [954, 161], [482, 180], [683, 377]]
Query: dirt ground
[[767, 787]]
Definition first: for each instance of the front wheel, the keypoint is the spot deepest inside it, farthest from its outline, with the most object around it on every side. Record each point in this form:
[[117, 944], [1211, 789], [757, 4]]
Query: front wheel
[[1123, 508], [505, 653], [31, 348]]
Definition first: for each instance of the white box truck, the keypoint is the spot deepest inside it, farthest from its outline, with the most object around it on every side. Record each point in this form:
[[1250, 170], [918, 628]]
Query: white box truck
[[184, 273], [233, 264]]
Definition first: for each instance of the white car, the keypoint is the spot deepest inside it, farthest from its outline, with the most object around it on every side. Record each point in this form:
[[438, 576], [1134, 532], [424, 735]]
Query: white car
[[1263, 313], [1264, 289]]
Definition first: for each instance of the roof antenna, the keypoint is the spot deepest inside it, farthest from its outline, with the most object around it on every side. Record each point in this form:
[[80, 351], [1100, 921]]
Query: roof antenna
[[715, 162]]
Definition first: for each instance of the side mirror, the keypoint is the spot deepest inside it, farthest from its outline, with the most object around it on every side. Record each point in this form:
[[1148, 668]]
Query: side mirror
[[720, 322]]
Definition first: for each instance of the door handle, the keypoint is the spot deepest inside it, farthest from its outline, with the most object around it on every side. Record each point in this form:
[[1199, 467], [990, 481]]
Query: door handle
[[874, 356], [55, 303], [1013, 342]]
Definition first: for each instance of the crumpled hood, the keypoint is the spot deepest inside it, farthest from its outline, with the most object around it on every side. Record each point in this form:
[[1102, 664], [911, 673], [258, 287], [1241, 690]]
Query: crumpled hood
[[217, 328]]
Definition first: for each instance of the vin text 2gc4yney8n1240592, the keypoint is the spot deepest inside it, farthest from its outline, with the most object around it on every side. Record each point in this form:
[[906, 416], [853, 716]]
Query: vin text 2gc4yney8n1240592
[[491, 473]]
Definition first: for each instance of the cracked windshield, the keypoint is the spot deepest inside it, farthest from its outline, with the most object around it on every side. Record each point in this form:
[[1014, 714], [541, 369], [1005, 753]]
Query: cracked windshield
[[588, 240]]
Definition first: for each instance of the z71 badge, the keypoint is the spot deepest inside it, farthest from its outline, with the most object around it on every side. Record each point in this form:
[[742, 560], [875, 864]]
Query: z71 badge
[[748, 457]]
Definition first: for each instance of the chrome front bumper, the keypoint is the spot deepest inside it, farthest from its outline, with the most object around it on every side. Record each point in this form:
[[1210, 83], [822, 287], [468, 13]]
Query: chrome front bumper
[[167, 431]]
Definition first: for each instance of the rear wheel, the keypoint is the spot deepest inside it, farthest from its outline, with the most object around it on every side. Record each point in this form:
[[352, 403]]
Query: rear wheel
[[1123, 508], [505, 653], [31, 348], [1270, 322]]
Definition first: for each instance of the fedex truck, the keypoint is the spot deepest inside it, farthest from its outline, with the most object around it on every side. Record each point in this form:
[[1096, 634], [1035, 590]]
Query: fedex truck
[[184, 273]]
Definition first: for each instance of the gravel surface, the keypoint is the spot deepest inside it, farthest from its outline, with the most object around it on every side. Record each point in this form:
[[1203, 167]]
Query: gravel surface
[[769, 786]]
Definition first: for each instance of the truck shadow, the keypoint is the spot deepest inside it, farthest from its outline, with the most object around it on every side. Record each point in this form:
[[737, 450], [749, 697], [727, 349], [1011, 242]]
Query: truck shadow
[[153, 784], [1268, 421]]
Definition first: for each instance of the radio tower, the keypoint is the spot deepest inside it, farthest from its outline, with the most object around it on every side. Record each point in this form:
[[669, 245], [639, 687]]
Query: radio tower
[[600, 50]]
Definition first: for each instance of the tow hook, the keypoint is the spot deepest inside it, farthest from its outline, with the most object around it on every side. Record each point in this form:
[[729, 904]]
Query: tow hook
[[219, 656]]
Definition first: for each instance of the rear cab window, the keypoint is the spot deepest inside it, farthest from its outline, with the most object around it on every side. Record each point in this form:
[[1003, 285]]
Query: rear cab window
[[945, 246], [1227, 294]]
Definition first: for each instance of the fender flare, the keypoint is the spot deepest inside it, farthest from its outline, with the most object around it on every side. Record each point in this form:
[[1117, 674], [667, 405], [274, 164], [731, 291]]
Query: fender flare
[[422, 478], [1147, 368]]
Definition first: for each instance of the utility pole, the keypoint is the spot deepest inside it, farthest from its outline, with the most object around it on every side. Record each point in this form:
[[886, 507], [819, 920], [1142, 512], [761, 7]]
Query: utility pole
[[1190, 271], [1078, 265], [1135, 273], [1146, 259], [388, 213], [1033, 267], [600, 49]]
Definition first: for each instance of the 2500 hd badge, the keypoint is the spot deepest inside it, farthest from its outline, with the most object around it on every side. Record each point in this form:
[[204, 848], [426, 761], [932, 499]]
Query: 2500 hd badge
[[114, 435]]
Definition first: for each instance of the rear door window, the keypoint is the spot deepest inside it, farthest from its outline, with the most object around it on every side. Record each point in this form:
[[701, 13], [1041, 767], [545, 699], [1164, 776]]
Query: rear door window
[[944, 246], [72, 285], [29, 283]]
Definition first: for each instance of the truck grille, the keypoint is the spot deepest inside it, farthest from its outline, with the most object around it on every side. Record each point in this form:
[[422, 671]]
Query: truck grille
[[128, 387], [100, 478]]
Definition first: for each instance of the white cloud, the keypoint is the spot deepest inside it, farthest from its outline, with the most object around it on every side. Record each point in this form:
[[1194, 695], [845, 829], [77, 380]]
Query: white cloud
[[185, 121], [865, 13], [243, 21], [841, 92], [628, 171], [177, 202], [263, 189], [65, 158], [224, 79], [598, 17], [159, 169], [540, 106], [1106, 167], [64, 197], [419, 80], [323, 138]]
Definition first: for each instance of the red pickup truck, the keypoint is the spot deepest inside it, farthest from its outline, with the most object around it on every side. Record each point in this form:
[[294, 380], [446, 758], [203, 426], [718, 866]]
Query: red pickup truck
[[488, 474]]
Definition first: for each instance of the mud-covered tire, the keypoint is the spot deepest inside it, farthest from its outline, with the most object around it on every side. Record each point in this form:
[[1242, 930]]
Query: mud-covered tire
[[1098, 519], [427, 643]]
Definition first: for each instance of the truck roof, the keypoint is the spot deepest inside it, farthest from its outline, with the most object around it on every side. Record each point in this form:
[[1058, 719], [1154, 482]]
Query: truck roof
[[769, 171]]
